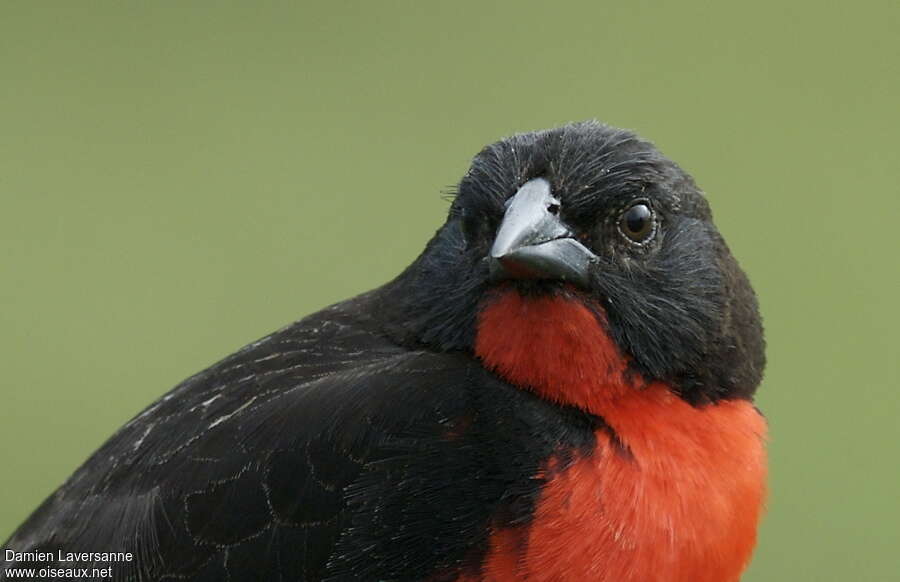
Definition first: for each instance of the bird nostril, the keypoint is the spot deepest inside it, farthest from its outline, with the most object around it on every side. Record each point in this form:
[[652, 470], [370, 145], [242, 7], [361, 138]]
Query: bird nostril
[[553, 208]]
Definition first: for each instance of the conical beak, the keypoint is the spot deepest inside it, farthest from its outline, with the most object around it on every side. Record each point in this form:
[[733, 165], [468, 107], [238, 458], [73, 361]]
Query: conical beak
[[534, 243]]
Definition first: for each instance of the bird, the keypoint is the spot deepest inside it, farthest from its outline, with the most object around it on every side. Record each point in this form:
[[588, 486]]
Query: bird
[[560, 387]]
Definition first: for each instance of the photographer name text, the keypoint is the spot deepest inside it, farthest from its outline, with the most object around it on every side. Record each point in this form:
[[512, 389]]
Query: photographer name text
[[67, 557]]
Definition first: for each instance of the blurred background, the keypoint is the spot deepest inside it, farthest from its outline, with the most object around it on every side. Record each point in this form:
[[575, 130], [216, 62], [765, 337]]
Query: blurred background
[[180, 178]]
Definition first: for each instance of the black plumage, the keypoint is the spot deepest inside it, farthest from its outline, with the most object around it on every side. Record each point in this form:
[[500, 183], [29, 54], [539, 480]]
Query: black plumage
[[366, 441], [322, 451]]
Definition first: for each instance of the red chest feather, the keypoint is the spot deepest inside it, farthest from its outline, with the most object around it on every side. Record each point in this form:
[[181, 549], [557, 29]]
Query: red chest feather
[[677, 500]]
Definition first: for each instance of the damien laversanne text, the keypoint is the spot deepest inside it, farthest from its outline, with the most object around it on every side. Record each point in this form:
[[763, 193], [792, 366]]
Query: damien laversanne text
[[61, 556]]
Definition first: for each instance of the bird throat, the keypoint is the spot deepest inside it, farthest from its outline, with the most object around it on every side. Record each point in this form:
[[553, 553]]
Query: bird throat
[[555, 345]]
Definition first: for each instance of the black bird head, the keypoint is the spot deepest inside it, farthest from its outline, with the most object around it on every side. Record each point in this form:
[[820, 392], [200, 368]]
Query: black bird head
[[596, 209]]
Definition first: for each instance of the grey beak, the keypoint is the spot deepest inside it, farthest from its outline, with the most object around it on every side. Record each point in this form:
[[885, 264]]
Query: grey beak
[[534, 243]]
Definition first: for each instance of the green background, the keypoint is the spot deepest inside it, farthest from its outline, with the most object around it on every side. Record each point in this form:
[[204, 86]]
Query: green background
[[178, 179]]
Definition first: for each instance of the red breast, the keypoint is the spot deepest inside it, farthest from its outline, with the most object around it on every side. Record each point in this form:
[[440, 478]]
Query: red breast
[[678, 498]]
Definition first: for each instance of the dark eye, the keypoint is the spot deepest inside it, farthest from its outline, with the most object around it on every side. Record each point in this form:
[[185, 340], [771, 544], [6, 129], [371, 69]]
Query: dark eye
[[637, 222]]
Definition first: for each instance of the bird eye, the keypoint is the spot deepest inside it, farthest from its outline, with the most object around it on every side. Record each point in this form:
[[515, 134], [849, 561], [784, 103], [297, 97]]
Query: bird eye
[[637, 223]]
